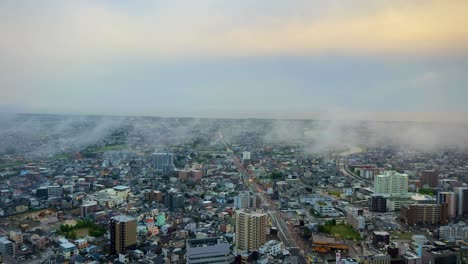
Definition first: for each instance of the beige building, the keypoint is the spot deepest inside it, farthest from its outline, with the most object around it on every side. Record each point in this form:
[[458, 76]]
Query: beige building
[[123, 231], [251, 230]]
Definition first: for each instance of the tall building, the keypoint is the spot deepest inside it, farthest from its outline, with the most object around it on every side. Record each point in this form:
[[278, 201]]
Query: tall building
[[209, 250], [461, 196], [251, 230], [163, 162], [449, 199], [88, 208], [391, 183], [242, 201], [355, 217], [6, 247], [378, 203], [429, 179], [123, 233], [424, 214], [174, 201]]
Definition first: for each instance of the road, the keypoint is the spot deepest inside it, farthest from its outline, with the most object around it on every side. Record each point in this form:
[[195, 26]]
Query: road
[[285, 233], [342, 166]]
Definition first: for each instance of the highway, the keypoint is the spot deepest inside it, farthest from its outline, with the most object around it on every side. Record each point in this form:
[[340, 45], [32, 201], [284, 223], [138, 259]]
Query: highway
[[342, 166], [285, 234]]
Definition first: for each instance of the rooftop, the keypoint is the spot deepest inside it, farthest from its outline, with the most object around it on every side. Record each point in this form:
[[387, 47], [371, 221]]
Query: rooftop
[[121, 188], [123, 218], [68, 245], [202, 242]]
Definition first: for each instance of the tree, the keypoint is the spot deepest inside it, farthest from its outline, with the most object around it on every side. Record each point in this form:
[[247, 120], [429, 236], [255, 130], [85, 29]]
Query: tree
[[306, 233], [276, 175]]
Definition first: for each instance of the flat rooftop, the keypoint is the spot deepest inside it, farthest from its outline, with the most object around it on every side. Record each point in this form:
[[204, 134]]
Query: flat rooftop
[[121, 188], [123, 218], [202, 242]]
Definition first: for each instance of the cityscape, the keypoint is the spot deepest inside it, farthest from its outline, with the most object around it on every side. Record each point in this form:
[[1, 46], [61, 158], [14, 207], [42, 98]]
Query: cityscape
[[234, 132], [226, 191]]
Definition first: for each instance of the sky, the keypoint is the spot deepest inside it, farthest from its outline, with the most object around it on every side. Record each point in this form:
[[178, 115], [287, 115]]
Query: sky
[[371, 59]]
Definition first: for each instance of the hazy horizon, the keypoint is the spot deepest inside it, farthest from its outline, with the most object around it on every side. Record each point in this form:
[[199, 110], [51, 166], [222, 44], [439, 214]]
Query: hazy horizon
[[377, 60]]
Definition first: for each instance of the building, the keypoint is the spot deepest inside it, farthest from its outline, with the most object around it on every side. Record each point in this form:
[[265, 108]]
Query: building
[[391, 183], [42, 192], [190, 175], [16, 237], [420, 240], [424, 214], [246, 155], [411, 258], [251, 230], [378, 203], [88, 208], [430, 179], [355, 217], [7, 248], [461, 196], [271, 248], [123, 233], [55, 191], [376, 259], [163, 162], [151, 196], [380, 238], [324, 208], [442, 255], [449, 199], [122, 191], [209, 250], [453, 232], [463, 255], [68, 250], [174, 201], [243, 200]]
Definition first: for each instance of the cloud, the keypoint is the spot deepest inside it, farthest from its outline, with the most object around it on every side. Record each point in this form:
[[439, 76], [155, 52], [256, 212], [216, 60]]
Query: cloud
[[92, 30]]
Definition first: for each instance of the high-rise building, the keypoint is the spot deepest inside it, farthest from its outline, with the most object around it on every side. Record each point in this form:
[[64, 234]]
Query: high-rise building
[[123, 233], [209, 250], [242, 201], [355, 217], [163, 162], [430, 179], [174, 201], [449, 199], [87, 208], [7, 248], [424, 214], [461, 196], [378, 203], [251, 230], [391, 183]]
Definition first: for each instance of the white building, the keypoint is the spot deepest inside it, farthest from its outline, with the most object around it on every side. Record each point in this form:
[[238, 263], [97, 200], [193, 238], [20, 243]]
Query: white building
[[246, 155], [355, 217], [271, 248], [453, 232], [324, 208], [68, 249], [391, 183]]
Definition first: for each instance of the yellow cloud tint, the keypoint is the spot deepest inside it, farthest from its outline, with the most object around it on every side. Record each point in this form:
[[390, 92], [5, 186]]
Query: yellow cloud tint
[[91, 31], [432, 26]]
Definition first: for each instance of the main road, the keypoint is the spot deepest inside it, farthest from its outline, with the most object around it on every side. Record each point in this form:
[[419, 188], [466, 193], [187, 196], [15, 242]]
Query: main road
[[285, 234]]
